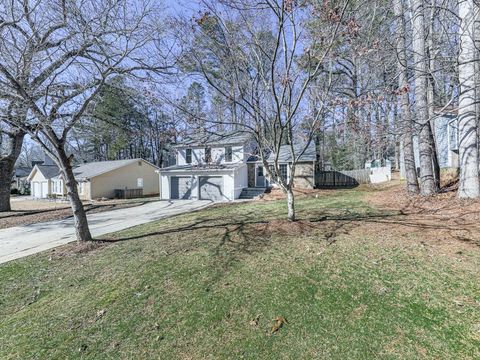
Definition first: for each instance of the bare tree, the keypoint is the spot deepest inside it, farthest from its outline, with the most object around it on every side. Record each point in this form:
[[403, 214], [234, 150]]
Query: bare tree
[[467, 122], [249, 54], [406, 116], [71, 48], [427, 180], [9, 154]]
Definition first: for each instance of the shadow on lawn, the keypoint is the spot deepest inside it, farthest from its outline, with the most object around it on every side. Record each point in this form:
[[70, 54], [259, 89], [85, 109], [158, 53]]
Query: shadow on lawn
[[246, 234]]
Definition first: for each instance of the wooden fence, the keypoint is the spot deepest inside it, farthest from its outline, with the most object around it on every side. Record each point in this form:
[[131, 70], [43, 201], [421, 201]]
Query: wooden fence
[[352, 178], [128, 193]]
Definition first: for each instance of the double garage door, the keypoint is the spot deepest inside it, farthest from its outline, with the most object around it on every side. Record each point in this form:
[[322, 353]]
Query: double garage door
[[40, 189], [210, 187]]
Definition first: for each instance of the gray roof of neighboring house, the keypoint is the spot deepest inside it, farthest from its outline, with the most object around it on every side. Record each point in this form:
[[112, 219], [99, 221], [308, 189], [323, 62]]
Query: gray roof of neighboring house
[[92, 169], [22, 171], [285, 154], [206, 168], [48, 171], [218, 138]]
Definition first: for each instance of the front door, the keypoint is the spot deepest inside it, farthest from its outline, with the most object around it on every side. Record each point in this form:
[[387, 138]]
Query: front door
[[260, 179]]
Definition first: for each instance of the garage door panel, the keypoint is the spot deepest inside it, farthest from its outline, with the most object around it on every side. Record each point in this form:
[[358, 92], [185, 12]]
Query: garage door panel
[[35, 189], [181, 187], [44, 189], [212, 188]]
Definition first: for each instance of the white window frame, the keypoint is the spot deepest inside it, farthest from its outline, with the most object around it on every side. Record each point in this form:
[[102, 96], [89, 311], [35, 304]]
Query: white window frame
[[140, 183], [186, 155], [227, 150]]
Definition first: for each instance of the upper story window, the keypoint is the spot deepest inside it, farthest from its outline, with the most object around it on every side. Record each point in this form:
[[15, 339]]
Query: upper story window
[[188, 156], [228, 154], [208, 155]]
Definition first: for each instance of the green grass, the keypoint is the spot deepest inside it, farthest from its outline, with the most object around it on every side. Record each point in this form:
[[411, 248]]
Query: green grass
[[190, 286]]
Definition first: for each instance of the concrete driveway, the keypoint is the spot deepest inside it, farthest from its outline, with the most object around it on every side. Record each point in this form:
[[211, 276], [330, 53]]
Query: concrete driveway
[[20, 241]]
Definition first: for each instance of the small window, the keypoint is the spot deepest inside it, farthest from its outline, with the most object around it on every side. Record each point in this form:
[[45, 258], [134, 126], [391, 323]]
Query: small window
[[208, 155], [228, 154], [283, 172], [140, 183], [260, 171], [188, 156]]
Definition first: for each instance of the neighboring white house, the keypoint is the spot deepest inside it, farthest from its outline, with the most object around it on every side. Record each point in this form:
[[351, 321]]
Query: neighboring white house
[[209, 167], [446, 141], [41, 176], [102, 179], [40, 179]]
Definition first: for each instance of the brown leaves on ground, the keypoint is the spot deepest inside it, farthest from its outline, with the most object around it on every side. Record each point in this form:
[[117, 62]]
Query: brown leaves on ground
[[254, 322], [439, 220], [74, 249], [279, 322]]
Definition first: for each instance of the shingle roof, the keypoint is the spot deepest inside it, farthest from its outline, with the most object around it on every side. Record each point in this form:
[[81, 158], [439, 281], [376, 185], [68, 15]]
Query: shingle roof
[[89, 170], [48, 171], [220, 138], [22, 171], [285, 154], [210, 167]]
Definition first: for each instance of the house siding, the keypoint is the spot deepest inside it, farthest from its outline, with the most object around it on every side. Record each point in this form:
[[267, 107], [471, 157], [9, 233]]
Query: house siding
[[87, 188], [104, 185], [447, 158], [304, 176], [251, 174], [218, 155], [39, 178]]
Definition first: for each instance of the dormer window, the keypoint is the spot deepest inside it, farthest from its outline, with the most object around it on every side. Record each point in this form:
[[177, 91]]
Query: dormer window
[[208, 155], [228, 154], [188, 156]]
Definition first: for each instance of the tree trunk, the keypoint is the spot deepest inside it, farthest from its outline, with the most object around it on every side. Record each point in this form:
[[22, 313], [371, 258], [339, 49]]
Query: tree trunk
[[81, 223], [467, 124], [427, 180], [431, 96], [405, 114], [7, 164], [6, 171], [291, 204], [396, 141]]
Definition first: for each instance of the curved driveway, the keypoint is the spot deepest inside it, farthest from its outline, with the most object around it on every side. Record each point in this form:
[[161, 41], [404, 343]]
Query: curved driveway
[[20, 241]]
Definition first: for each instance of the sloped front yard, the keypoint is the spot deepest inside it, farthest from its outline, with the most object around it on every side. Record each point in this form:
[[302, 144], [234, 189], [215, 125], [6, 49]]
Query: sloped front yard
[[353, 278]]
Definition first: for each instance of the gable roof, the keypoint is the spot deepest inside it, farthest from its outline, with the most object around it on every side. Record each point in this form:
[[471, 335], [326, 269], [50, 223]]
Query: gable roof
[[48, 171], [92, 169], [218, 138], [21, 171], [285, 154]]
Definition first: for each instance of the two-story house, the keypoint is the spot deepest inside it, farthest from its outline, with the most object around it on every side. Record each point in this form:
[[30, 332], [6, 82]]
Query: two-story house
[[209, 167]]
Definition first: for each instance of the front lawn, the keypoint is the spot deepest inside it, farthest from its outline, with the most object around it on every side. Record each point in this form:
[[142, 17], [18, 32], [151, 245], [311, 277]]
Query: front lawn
[[211, 283]]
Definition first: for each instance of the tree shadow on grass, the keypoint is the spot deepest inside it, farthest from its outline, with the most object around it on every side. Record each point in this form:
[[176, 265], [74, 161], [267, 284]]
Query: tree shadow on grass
[[229, 241]]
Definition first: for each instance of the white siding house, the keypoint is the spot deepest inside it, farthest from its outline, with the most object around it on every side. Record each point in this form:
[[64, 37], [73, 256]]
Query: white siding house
[[446, 141], [209, 167]]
